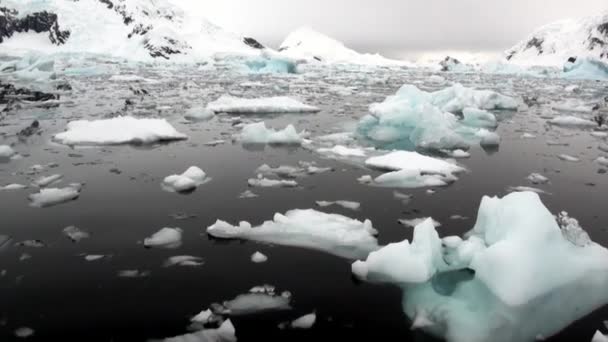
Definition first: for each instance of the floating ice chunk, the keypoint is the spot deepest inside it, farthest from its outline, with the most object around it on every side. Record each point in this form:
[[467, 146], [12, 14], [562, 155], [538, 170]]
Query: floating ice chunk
[[187, 181], [599, 337], [262, 182], [183, 260], [421, 320], [408, 179], [537, 178], [344, 204], [225, 333], [131, 78], [259, 299], [11, 187], [460, 154], [215, 142], [572, 105], [75, 234], [417, 262], [457, 97], [526, 188], [258, 133], [414, 222], [94, 257], [572, 230], [258, 258], [24, 332], [6, 151], [165, 238], [43, 182], [404, 198], [267, 105], [204, 317], [568, 158], [478, 118], [53, 196], [304, 322], [282, 171], [488, 138], [133, 274], [248, 194], [343, 151], [599, 134], [572, 121], [516, 270], [199, 114], [413, 161], [602, 161], [119, 130], [331, 233], [528, 136]]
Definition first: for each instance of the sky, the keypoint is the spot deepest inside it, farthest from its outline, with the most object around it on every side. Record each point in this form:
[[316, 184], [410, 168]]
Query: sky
[[395, 28]]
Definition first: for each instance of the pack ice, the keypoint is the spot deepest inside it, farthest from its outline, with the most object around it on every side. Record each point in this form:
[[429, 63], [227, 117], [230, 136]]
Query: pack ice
[[119, 130], [331, 233], [518, 275], [414, 118]]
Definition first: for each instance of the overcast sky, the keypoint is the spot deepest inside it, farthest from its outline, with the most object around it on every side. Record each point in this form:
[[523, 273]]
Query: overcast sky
[[395, 27]]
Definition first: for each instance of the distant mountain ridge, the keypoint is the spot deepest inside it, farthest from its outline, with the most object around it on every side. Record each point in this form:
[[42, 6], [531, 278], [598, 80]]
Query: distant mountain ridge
[[553, 44], [127, 28]]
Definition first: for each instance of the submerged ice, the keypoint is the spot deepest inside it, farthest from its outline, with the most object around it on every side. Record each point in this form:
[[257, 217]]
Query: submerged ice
[[520, 273]]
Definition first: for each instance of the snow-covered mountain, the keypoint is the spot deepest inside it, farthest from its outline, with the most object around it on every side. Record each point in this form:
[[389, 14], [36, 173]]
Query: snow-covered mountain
[[136, 29], [553, 44], [306, 43]]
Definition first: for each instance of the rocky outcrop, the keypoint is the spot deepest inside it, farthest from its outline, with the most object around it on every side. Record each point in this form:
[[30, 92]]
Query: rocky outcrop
[[38, 22], [253, 43]]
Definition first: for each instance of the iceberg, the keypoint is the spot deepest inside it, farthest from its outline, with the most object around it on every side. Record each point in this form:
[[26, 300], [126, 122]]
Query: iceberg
[[117, 131], [331, 233], [266, 105], [187, 181], [586, 69], [520, 273], [413, 118], [258, 133], [267, 63]]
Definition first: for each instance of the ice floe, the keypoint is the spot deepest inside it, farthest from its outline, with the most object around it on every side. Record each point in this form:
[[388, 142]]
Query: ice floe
[[414, 222], [43, 182], [267, 105], [187, 181], [199, 114], [259, 299], [331, 233], [165, 238], [119, 130], [12, 187], [258, 133], [224, 333], [6, 151], [75, 234], [262, 182], [518, 274], [304, 322], [183, 260], [537, 178], [572, 121], [53, 196]]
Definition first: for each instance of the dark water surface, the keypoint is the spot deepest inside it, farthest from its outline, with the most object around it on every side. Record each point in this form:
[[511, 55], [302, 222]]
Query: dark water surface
[[63, 297]]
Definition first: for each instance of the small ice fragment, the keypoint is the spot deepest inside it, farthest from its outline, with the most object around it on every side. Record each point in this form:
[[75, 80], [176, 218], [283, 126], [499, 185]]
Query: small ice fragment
[[568, 158], [304, 322], [12, 187], [24, 332], [203, 317], [414, 222], [183, 260], [6, 151], [258, 133], [75, 234], [199, 114], [526, 189], [165, 238], [43, 182], [343, 151], [572, 121], [344, 204], [187, 181], [258, 258], [248, 194], [537, 178], [262, 182], [133, 274], [94, 257], [267, 105]]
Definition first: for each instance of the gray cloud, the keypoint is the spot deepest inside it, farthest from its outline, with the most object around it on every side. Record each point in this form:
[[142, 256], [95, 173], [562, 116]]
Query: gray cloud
[[396, 25]]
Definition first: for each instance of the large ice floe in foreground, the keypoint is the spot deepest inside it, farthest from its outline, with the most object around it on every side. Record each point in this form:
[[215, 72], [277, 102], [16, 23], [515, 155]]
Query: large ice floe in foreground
[[414, 118], [265, 105], [119, 130], [412, 170], [331, 233], [519, 275]]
